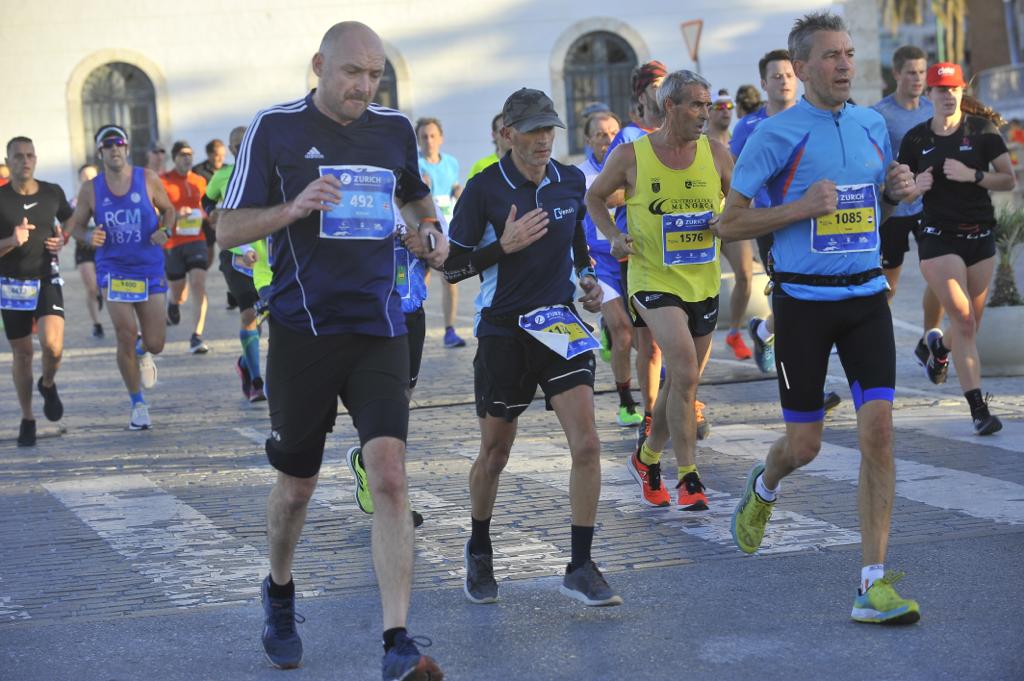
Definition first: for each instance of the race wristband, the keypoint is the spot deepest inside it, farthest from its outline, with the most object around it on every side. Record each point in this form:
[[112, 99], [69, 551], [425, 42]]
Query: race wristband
[[889, 200], [587, 272]]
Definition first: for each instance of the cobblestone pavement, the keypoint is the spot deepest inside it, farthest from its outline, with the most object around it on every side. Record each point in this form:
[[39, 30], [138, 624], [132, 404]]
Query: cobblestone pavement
[[138, 554]]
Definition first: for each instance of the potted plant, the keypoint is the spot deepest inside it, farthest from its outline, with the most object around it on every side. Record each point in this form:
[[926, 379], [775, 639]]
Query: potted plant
[[999, 346]]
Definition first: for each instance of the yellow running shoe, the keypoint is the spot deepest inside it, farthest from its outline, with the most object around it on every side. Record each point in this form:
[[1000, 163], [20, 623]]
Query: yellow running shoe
[[751, 515], [880, 604]]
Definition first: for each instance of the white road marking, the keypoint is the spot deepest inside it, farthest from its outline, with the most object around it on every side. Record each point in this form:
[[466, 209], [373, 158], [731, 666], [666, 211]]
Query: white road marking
[[165, 539], [11, 611], [541, 462], [975, 495]]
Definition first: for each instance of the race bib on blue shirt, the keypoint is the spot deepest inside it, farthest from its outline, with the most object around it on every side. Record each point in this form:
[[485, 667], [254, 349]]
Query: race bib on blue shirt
[[18, 294], [559, 329], [367, 206], [853, 227], [687, 240]]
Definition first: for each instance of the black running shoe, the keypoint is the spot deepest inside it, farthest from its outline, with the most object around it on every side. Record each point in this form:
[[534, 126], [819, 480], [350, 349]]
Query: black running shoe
[[480, 586], [587, 585], [921, 352], [53, 408], [281, 641], [97, 331], [936, 368], [405, 662], [27, 433], [987, 425]]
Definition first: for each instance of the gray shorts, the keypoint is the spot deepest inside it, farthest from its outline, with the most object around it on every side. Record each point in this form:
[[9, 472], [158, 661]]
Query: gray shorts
[[181, 259]]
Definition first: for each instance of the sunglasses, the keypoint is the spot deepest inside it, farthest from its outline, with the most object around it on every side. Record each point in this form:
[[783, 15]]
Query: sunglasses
[[111, 142], [723, 106]]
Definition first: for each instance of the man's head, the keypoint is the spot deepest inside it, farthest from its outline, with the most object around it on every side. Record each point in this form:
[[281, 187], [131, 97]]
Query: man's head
[[909, 64], [777, 77], [86, 173], [112, 144], [235, 139], [646, 80], [215, 153], [181, 157], [599, 130], [348, 66], [748, 100], [430, 136], [156, 157], [501, 145], [721, 111], [822, 53], [21, 159], [685, 97], [529, 121]]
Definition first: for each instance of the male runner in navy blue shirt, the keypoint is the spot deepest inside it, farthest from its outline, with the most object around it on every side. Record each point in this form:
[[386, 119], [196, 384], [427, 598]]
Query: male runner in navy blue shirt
[[515, 226], [325, 176]]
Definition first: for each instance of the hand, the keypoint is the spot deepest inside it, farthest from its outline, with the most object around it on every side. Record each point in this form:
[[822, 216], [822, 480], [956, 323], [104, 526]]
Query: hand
[[418, 243], [622, 246], [322, 194], [158, 238], [899, 181], [184, 211], [924, 181], [593, 294], [99, 236], [821, 198], [521, 233], [21, 232], [713, 226], [957, 171], [249, 258], [55, 242]]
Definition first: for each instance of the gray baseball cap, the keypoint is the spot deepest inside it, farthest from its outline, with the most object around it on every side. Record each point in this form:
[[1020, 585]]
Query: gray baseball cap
[[527, 109]]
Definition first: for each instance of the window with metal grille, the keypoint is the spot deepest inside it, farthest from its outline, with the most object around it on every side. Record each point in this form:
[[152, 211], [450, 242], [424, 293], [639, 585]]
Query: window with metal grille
[[122, 94], [597, 69], [387, 92]]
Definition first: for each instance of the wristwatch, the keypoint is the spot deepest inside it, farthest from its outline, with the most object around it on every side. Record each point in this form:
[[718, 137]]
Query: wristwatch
[[978, 176]]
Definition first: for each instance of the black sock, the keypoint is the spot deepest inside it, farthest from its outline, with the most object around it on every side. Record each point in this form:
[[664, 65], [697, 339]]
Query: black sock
[[390, 635], [480, 539], [282, 590], [978, 407], [582, 539], [625, 396]]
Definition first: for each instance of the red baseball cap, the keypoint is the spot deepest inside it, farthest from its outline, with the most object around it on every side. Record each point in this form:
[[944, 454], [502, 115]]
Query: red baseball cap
[[945, 74]]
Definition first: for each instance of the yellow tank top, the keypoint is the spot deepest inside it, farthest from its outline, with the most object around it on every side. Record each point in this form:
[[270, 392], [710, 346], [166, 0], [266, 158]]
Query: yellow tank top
[[667, 217]]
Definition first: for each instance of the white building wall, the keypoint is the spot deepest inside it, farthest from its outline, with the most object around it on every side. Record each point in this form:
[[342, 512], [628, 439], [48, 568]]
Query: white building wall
[[216, 62]]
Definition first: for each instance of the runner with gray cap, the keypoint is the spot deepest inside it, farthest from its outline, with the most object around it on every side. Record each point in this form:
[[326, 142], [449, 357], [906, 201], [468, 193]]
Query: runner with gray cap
[[524, 213]]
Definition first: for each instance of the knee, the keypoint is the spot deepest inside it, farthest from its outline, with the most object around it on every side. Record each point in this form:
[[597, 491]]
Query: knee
[[804, 450], [296, 493], [876, 440], [53, 352], [586, 450], [126, 337], [622, 334], [494, 458], [155, 346], [964, 323], [684, 377], [386, 474]]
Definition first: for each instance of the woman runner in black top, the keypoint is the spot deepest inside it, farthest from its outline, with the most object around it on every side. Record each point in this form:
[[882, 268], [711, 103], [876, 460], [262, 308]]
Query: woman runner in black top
[[952, 154]]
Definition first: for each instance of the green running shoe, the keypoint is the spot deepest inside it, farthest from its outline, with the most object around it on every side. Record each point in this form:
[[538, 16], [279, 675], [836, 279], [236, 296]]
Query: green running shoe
[[628, 415], [751, 515], [364, 499], [880, 604]]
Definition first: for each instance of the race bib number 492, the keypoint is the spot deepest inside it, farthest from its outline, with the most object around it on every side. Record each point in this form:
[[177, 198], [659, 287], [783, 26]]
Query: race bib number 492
[[367, 206]]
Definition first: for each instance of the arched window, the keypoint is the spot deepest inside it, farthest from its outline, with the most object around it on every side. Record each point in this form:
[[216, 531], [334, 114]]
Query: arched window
[[597, 69], [123, 94]]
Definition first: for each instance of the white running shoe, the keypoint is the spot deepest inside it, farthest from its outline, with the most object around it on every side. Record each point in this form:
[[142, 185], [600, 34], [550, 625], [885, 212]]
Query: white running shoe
[[140, 417], [147, 370]]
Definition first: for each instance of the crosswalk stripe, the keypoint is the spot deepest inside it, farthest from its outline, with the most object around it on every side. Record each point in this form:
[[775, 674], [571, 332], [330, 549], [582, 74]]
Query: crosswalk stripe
[[976, 495], [165, 539], [537, 460]]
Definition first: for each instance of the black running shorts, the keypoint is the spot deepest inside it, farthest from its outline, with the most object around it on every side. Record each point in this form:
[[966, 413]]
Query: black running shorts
[[18, 323], [508, 369], [805, 330], [188, 256], [895, 233], [307, 374], [240, 286], [84, 253], [971, 250], [701, 317]]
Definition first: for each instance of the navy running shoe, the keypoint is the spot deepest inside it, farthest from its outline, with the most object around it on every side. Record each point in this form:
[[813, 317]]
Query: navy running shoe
[[281, 641], [405, 662]]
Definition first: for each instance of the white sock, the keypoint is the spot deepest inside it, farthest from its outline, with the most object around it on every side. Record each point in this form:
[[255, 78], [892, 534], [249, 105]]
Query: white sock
[[762, 490], [762, 331], [869, 574]]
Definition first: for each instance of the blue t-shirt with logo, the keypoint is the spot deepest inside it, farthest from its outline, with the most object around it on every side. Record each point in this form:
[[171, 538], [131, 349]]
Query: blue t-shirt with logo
[[540, 274], [790, 151], [334, 271], [898, 121]]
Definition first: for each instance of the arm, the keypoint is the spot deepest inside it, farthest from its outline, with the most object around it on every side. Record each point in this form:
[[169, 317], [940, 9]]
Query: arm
[[162, 202], [18, 237], [739, 221], [422, 212], [464, 262], [723, 164], [79, 221], [999, 180], [616, 175], [243, 225]]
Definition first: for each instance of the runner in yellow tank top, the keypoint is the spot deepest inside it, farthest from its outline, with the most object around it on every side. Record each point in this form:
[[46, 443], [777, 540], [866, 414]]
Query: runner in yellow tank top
[[675, 179]]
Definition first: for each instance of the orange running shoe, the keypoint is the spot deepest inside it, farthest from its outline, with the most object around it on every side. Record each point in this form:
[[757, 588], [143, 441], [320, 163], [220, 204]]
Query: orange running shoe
[[703, 427], [691, 493], [735, 341], [652, 492]]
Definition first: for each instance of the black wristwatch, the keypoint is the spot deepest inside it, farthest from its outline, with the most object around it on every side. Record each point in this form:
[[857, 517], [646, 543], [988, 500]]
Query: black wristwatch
[[978, 176]]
